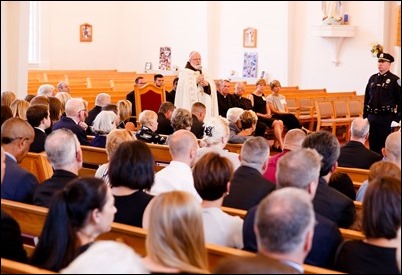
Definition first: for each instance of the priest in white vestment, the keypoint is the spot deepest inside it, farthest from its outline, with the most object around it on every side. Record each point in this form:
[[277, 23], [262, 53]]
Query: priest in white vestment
[[196, 86]]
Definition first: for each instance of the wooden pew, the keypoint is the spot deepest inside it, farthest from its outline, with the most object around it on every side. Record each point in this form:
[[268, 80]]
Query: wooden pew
[[130, 235], [95, 156], [13, 267], [38, 164], [234, 148], [92, 158], [161, 153], [356, 174], [347, 234]]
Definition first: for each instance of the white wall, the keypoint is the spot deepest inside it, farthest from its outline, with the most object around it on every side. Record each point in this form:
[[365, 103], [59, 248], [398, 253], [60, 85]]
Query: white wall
[[128, 34]]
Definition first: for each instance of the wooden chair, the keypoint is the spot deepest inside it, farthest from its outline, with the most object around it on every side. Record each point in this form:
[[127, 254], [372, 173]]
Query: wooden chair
[[148, 97], [326, 116], [355, 108], [307, 112], [38, 164]]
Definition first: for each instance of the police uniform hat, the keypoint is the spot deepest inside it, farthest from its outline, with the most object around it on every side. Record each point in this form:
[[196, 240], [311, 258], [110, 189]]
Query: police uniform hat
[[385, 57]]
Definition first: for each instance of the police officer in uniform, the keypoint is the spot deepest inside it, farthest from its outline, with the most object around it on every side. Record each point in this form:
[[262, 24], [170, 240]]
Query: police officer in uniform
[[382, 102]]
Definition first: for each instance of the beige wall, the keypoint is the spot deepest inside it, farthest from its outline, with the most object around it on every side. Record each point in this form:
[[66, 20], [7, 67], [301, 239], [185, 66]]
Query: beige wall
[[128, 34]]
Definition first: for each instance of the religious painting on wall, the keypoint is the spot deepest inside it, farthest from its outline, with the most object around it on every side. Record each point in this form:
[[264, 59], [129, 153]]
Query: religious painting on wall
[[165, 58], [250, 64], [86, 32], [250, 38]]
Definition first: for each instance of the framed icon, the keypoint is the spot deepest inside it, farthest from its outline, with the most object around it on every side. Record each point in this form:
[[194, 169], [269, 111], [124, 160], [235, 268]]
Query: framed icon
[[148, 66], [250, 38], [86, 32]]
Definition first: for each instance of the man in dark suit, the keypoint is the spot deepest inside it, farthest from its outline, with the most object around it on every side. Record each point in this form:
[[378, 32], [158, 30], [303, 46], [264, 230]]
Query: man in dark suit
[[131, 97], [39, 118], [164, 115], [170, 96], [198, 112], [238, 99], [354, 153], [11, 240], [248, 186], [101, 100], [16, 138], [329, 202], [74, 120], [65, 168], [225, 100], [284, 227], [301, 169]]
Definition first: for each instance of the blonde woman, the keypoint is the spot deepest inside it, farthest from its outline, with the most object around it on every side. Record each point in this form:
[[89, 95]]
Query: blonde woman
[[19, 108], [175, 241], [261, 108], [216, 136], [113, 140], [63, 97], [124, 112], [279, 108], [7, 97], [149, 123]]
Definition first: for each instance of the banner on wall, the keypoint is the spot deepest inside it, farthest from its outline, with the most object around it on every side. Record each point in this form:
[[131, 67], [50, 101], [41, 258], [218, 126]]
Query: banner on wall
[[250, 64], [165, 58]]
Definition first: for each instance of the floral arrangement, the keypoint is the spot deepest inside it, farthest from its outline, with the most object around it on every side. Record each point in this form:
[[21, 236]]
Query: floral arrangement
[[376, 49]]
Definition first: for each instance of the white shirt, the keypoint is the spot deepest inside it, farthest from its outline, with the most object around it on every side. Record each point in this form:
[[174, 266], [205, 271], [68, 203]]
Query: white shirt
[[176, 176], [221, 228]]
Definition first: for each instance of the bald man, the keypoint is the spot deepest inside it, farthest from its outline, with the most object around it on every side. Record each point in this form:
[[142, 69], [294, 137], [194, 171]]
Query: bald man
[[11, 239], [292, 142], [74, 119], [177, 175], [16, 138], [195, 85]]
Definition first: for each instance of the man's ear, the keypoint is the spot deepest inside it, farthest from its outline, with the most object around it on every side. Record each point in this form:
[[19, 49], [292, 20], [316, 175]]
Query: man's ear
[[384, 152], [333, 168]]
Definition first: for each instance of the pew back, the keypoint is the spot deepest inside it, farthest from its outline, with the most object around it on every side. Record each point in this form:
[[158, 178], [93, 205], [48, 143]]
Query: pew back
[[130, 235]]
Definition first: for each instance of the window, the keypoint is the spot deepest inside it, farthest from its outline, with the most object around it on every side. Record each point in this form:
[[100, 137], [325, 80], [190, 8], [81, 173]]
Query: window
[[33, 47]]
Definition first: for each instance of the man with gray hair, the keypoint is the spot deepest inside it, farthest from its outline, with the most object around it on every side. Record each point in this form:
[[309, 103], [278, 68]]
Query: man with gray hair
[[63, 86], [328, 201], [101, 100], [354, 153], [66, 160], [46, 90], [75, 115], [284, 226], [301, 169], [248, 186]]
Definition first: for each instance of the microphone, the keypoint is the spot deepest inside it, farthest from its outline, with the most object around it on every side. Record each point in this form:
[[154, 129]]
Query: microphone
[[200, 69]]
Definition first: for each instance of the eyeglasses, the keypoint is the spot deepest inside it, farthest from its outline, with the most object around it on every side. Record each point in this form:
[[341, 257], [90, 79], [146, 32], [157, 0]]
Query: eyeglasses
[[83, 110], [7, 140]]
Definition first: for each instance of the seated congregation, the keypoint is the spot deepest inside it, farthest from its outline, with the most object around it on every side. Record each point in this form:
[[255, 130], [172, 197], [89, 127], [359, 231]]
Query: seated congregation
[[282, 178]]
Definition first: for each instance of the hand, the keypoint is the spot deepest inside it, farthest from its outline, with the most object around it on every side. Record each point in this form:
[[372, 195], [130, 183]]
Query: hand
[[204, 83], [200, 78], [83, 125]]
